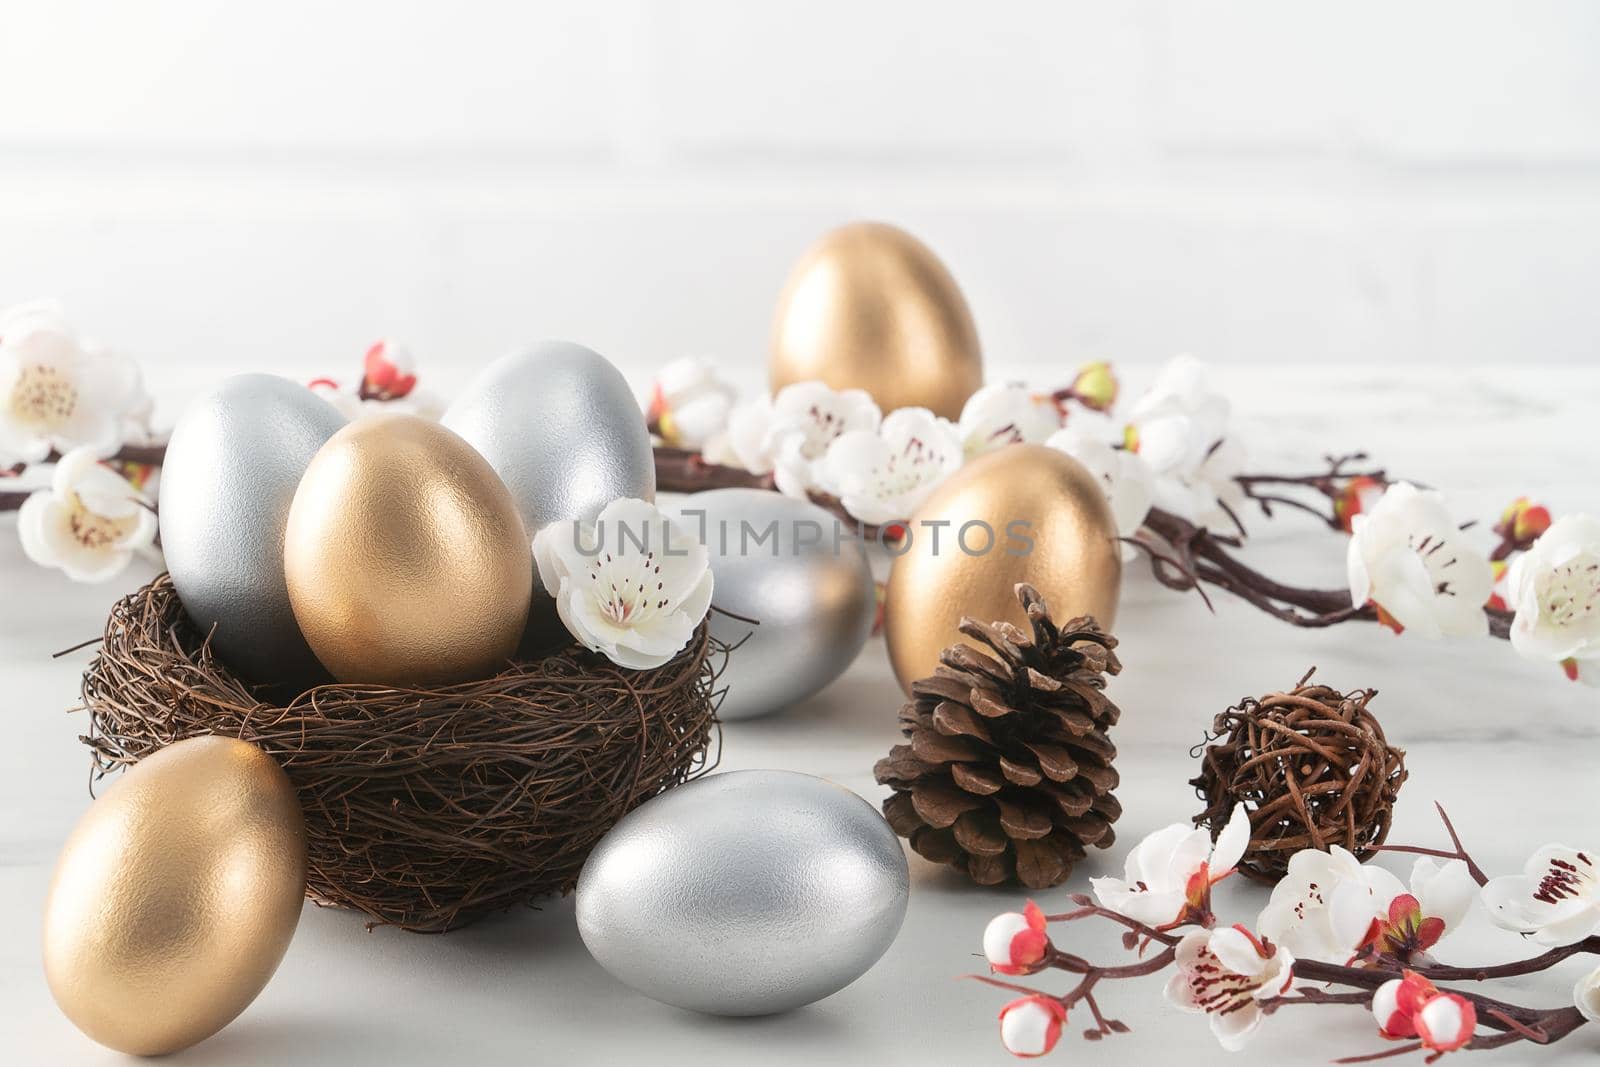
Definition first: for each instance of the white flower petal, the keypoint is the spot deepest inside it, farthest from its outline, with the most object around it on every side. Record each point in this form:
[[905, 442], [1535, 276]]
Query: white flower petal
[[1237, 952], [1235, 1028], [1231, 842], [1586, 995], [1444, 889]]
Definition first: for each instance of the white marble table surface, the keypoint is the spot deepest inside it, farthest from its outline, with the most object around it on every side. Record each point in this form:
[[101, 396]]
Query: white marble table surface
[[1509, 747]]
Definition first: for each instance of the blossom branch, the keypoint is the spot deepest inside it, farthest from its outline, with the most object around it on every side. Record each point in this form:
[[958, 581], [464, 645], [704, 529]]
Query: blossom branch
[[1458, 852], [1200, 556], [145, 455], [1331, 485]]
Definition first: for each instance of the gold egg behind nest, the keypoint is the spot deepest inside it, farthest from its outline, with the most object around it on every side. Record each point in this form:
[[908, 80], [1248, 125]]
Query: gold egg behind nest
[[405, 557], [1074, 558], [870, 307]]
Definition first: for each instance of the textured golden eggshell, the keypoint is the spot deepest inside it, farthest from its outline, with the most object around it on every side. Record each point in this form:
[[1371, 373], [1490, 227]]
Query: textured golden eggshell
[[176, 896], [871, 307], [406, 561], [1074, 560]]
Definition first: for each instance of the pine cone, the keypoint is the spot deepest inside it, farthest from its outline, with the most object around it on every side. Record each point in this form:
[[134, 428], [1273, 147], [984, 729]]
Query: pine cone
[[1008, 774]]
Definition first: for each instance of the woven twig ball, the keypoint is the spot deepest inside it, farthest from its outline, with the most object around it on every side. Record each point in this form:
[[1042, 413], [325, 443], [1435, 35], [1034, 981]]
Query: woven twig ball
[[424, 808], [1313, 769]]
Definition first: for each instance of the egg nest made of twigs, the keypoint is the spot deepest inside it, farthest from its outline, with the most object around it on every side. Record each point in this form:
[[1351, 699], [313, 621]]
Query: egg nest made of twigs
[[425, 808]]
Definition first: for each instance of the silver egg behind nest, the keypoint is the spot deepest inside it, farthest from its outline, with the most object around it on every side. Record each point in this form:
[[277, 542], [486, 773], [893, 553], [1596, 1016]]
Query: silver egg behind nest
[[744, 893], [777, 561], [230, 473], [560, 426]]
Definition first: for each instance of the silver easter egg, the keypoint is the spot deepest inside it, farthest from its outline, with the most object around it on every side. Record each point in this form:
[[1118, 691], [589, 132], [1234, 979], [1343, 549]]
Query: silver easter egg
[[230, 472], [777, 560], [744, 893], [560, 426]]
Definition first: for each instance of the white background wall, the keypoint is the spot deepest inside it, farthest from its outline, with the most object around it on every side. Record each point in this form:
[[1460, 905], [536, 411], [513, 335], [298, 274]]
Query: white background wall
[[277, 184]]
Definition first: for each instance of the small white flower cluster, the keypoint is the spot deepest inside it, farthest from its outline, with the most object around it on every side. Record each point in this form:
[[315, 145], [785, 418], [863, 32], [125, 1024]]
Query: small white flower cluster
[[882, 466], [60, 391], [1409, 558], [64, 396], [1329, 908], [67, 399]]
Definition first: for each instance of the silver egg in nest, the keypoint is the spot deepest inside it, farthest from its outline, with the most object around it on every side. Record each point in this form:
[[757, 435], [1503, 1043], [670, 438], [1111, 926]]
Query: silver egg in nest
[[230, 473]]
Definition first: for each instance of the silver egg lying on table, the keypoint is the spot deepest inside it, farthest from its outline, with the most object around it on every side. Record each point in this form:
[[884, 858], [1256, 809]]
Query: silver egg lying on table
[[776, 560], [744, 893], [230, 473]]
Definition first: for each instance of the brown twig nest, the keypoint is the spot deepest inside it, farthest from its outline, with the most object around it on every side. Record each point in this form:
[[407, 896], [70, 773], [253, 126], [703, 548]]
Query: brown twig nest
[[1312, 767], [424, 808]]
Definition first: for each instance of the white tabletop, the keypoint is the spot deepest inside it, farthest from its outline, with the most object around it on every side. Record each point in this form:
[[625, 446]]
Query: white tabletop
[[1509, 747]]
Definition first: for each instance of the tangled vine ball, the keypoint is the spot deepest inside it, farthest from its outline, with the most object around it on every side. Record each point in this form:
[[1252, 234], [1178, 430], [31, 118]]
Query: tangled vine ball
[[1313, 769]]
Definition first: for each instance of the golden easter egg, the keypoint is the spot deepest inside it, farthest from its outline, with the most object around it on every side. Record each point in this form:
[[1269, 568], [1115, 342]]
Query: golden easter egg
[[406, 560], [1022, 513], [176, 896], [871, 307]]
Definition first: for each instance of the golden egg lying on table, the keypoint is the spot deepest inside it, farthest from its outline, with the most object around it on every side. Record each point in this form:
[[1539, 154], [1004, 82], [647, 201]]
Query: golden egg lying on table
[[1022, 513], [871, 307], [406, 561], [176, 896]]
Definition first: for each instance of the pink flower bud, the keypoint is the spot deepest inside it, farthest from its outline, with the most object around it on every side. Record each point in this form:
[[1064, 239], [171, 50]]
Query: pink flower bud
[[1446, 1022], [1016, 942], [1397, 1002], [1358, 496], [389, 372], [1031, 1026], [1523, 522]]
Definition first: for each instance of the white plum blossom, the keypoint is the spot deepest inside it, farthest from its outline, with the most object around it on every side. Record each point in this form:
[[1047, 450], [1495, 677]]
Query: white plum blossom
[[1123, 476], [59, 392], [807, 418], [746, 443], [1554, 588], [1006, 414], [1331, 907], [690, 403], [1179, 427], [1168, 876], [1586, 995], [1555, 901], [1408, 557], [632, 585], [90, 522], [1226, 974], [1031, 1026], [1209, 495], [884, 476]]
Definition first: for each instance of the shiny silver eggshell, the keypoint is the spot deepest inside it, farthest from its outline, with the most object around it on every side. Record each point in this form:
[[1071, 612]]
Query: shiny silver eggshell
[[560, 426], [744, 893], [229, 475], [815, 606]]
